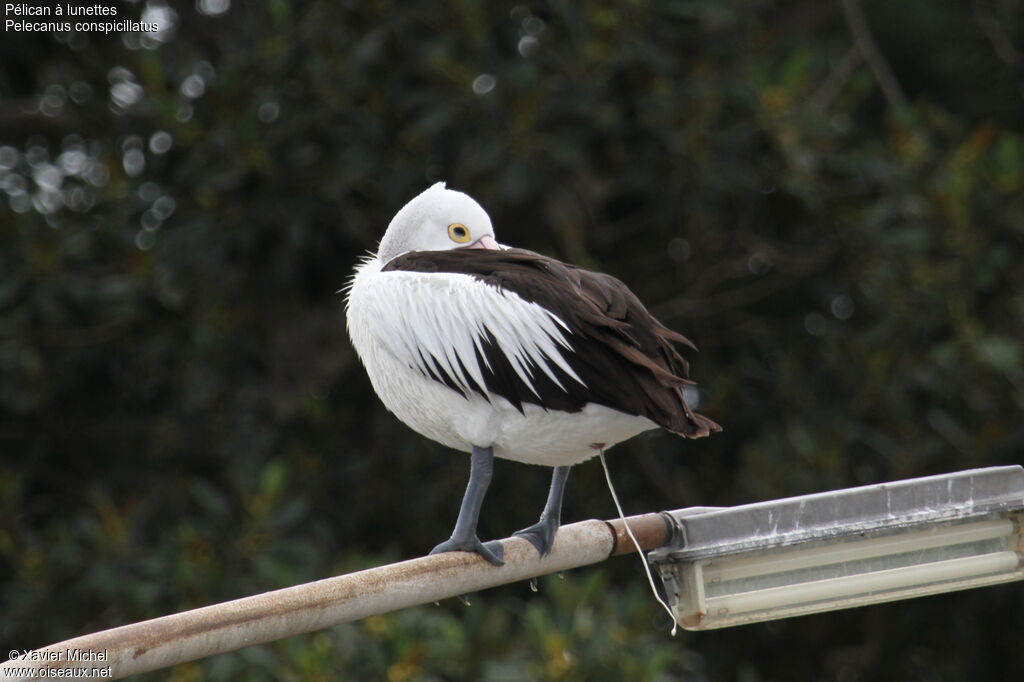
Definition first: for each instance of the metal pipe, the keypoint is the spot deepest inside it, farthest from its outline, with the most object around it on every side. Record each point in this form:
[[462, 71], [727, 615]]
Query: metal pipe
[[651, 530], [191, 635]]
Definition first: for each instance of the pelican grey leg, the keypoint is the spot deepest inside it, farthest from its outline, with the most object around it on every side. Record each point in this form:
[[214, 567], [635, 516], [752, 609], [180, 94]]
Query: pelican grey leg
[[542, 534], [464, 539]]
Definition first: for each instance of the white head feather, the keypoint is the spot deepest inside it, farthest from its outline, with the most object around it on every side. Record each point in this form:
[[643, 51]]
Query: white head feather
[[423, 223]]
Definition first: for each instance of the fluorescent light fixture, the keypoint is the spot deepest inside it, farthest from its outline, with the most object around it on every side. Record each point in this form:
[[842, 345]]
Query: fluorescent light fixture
[[846, 548]]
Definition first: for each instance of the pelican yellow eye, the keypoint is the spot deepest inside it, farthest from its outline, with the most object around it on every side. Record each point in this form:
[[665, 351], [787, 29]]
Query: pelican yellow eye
[[459, 233]]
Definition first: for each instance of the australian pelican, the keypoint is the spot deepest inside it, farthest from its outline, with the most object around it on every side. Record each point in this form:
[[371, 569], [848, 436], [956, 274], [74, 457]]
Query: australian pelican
[[502, 352]]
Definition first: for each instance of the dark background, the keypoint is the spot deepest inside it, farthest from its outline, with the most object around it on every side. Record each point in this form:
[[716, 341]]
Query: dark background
[[183, 420]]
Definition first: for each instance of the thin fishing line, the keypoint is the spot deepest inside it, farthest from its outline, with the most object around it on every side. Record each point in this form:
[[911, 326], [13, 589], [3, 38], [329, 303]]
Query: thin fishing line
[[643, 559]]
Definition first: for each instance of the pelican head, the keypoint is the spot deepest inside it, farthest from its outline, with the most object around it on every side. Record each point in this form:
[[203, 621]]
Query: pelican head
[[438, 219]]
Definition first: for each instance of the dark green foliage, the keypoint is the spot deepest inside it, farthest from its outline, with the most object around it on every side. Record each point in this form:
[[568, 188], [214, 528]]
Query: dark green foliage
[[184, 421]]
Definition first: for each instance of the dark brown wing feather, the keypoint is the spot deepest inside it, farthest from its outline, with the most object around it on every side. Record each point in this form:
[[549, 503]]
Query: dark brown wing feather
[[623, 354]]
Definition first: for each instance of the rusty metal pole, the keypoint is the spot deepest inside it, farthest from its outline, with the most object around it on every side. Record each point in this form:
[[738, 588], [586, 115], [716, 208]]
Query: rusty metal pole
[[191, 635]]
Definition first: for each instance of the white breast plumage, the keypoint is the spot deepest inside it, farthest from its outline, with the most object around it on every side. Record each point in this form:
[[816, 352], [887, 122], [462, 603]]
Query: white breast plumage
[[415, 330]]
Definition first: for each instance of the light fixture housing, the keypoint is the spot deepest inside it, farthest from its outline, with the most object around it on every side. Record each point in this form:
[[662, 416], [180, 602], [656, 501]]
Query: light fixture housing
[[845, 548]]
